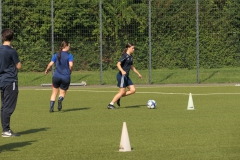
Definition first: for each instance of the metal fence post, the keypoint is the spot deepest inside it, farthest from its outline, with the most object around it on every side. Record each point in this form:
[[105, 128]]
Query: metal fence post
[[0, 21], [197, 40], [150, 42], [100, 39], [52, 28]]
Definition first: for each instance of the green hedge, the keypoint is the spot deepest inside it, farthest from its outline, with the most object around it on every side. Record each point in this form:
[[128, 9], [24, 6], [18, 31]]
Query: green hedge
[[173, 26]]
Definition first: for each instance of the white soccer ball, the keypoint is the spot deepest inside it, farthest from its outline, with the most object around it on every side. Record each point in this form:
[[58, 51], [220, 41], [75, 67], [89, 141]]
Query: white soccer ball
[[151, 104]]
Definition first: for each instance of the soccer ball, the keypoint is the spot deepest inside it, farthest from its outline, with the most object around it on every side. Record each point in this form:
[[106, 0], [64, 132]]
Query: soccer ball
[[151, 104]]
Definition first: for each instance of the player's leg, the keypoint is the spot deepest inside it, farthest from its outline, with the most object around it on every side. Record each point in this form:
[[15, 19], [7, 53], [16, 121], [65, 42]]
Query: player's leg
[[119, 94], [130, 86], [116, 98], [122, 89], [54, 94], [53, 98], [60, 98], [131, 90], [55, 87], [63, 90]]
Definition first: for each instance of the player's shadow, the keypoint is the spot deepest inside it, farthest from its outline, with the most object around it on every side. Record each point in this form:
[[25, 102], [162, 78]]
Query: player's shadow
[[15, 145], [30, 131], [135, 106], [75, 109]]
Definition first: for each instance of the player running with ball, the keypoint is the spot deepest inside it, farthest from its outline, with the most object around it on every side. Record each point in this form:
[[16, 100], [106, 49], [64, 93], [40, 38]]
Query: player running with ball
[[124, 65]]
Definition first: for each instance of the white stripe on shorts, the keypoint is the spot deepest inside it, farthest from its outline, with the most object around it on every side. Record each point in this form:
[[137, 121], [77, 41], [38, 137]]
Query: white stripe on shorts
[[122, 81], [14, 86]]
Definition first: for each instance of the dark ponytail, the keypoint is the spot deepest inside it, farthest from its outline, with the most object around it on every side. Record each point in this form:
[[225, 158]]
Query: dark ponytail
[[63, 45], [128, 45]]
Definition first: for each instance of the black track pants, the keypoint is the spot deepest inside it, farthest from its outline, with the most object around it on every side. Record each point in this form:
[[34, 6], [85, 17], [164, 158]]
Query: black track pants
[[9, 95]]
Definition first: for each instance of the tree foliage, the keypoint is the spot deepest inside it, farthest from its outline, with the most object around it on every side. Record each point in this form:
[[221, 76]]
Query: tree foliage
[[173, 32]]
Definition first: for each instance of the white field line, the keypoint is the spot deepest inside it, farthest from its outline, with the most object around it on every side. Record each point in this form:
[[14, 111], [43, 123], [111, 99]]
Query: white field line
[[164, 93]]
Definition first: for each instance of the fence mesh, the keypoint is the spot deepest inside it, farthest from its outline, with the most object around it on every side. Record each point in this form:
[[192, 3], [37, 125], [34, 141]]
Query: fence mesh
[[170, 44]]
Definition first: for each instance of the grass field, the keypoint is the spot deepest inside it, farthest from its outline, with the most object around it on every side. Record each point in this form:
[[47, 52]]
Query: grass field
[[85, 129], [159, 76]]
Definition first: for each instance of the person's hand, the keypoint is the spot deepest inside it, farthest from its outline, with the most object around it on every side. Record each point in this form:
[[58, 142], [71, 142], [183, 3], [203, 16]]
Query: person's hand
[[46, 71], [124, 73], [140, 76]]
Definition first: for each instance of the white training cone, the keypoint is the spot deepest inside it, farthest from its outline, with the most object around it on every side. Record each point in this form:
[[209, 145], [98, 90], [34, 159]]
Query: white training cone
[[124, 143], [190, 103]]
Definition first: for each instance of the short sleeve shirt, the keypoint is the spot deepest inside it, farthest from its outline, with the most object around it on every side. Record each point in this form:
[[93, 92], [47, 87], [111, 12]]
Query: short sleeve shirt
[[126, 62], [62, 66], [8, 60]]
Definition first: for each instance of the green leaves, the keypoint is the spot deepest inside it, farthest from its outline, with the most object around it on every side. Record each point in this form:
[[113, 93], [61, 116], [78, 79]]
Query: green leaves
[[173, 32]]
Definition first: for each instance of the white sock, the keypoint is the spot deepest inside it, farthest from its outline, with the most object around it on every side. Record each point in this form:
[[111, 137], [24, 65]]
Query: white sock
[[112, 103]]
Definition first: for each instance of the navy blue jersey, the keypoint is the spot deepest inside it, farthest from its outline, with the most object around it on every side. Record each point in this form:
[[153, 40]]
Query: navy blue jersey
[[126, 62], [8, 60], [62, 66]]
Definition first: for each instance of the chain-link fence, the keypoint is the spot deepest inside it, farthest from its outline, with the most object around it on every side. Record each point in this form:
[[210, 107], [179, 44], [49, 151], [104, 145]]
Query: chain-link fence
[[166, 33]]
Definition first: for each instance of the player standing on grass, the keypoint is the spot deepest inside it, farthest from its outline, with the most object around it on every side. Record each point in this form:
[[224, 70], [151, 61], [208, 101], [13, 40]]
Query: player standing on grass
[[62, 75], [124, 65], [9, 66]]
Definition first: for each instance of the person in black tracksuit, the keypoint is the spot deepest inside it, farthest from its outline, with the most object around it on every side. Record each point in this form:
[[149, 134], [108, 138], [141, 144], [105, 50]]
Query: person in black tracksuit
[[125, 64], [9, 66]]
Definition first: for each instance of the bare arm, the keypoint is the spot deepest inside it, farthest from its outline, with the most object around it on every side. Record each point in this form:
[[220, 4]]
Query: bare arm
[[120, 68], [71, 66], [135, 70], [48, 67], [19, 65]]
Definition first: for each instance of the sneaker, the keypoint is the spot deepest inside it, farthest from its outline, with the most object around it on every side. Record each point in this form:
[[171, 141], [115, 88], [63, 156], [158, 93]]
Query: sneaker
[[111, 106], [51, 109], [59, 105], [10, 134], [118, 102]]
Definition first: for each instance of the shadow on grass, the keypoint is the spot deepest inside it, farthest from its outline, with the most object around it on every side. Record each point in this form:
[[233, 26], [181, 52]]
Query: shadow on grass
[[136, 106], [75, 109], [13, 146], [33, 131], [167, 77], [37, 78], [209, 77], [82, 78]]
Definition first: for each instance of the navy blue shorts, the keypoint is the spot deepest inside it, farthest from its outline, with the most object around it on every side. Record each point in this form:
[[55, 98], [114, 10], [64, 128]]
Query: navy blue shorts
[[123, 81], [60, 83]]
